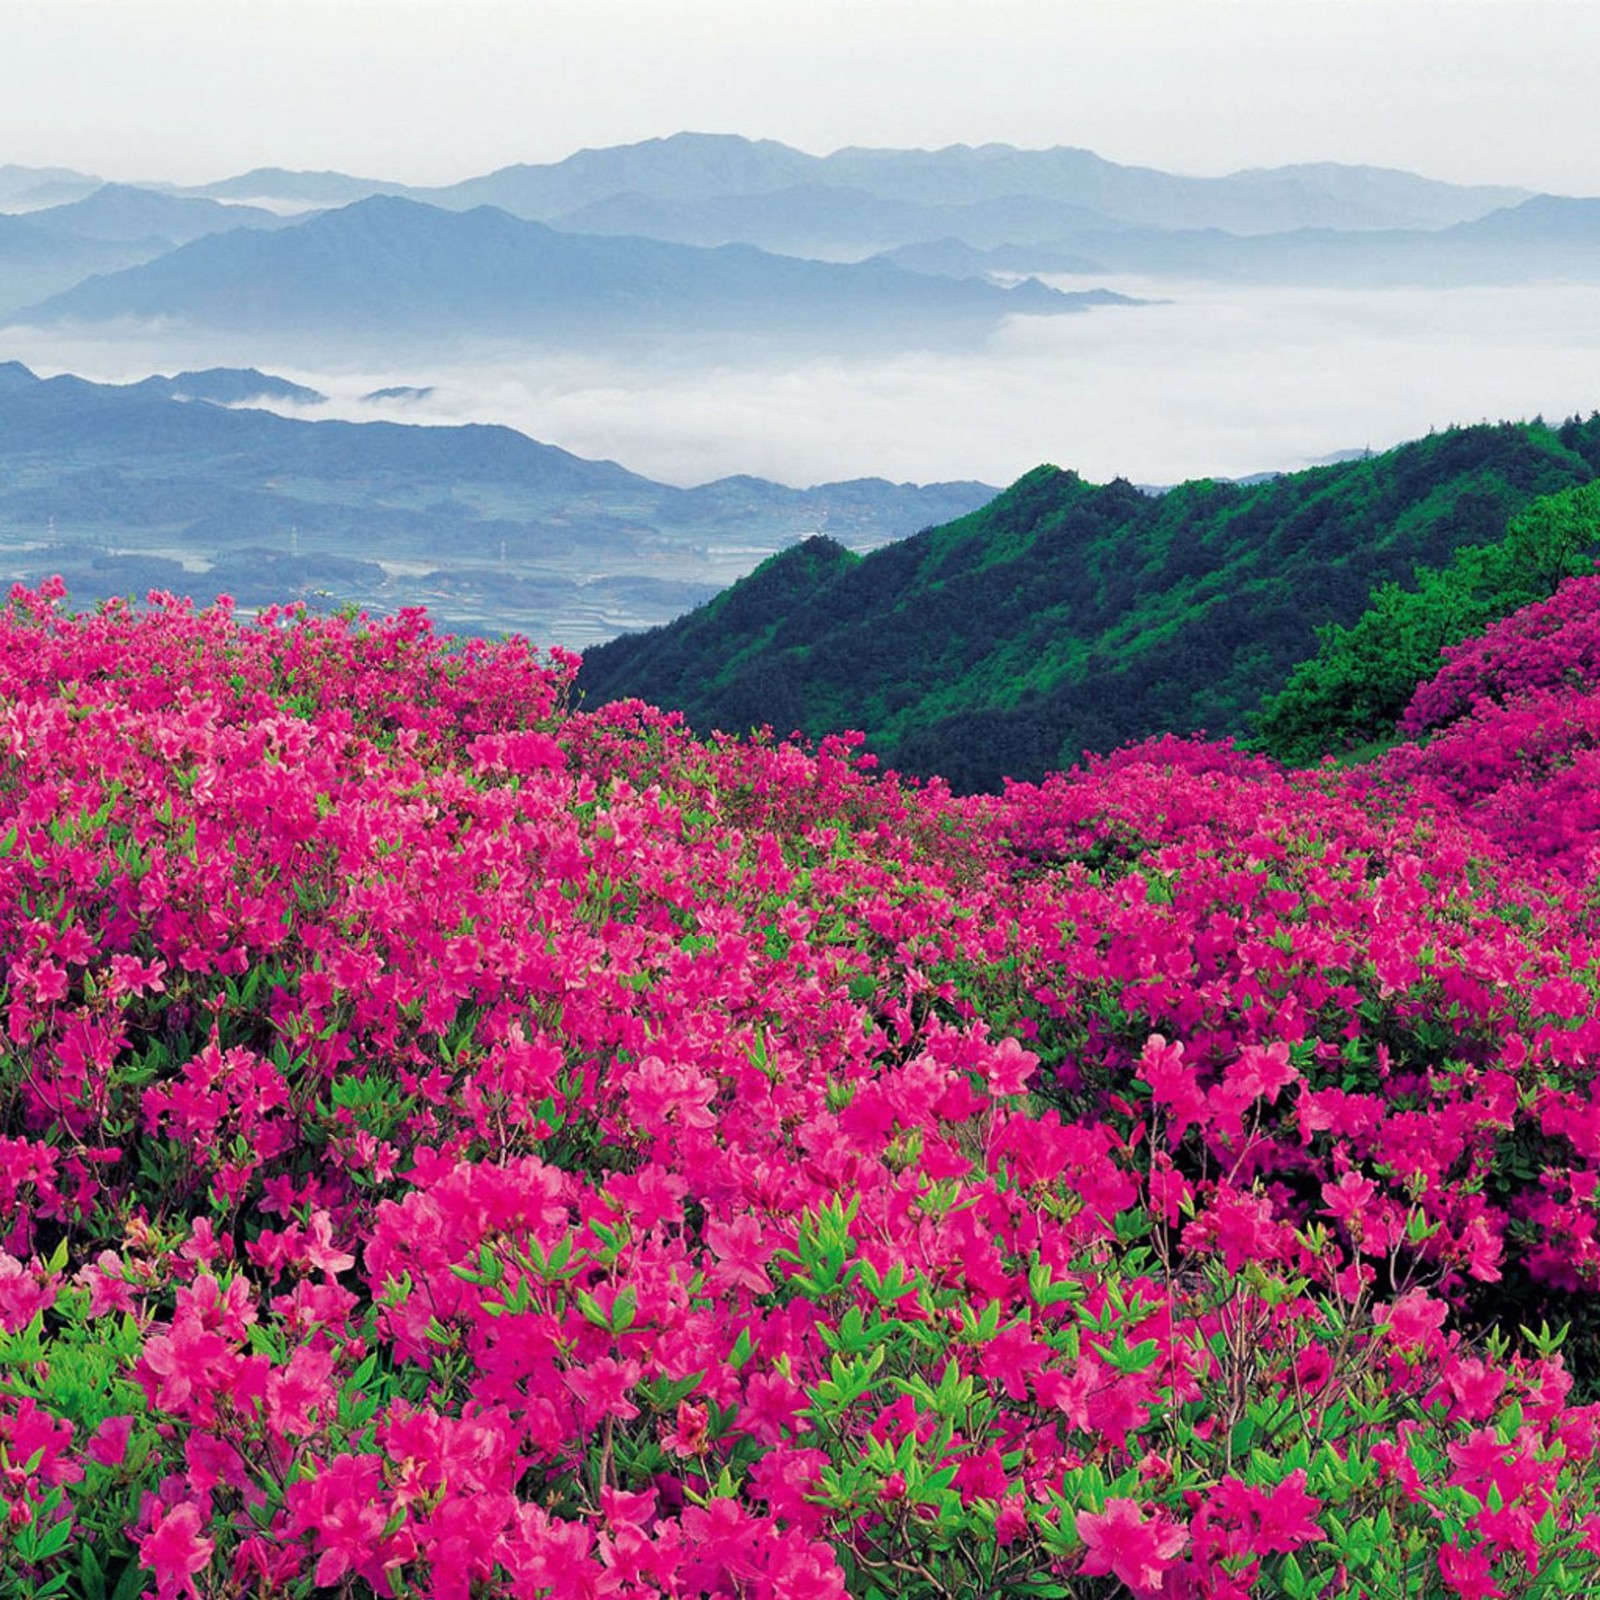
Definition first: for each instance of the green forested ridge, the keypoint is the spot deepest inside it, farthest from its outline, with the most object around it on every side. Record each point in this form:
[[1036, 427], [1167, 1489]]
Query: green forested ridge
[[1066, 616], [1351, 693]]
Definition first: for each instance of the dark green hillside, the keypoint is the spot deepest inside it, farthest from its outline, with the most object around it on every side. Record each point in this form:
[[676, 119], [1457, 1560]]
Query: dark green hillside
[[739, 630], [1066, 616], [1351, 694]]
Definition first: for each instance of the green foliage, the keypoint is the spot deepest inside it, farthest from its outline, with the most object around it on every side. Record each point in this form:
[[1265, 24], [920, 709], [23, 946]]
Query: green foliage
[[75, 1369], [1066, 616], [1353, 690]]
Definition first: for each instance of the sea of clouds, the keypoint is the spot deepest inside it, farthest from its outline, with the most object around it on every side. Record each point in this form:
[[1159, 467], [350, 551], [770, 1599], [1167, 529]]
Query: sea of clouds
[[1210, 381]]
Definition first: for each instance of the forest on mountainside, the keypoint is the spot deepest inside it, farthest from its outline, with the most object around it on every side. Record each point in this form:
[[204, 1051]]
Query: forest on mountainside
[[1067, 616]]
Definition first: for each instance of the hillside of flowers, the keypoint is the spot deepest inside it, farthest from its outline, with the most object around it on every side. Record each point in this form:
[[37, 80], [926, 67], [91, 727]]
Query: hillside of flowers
[[455, 1145]]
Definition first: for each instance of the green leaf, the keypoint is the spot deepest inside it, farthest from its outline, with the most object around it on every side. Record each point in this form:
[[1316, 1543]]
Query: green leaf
[[53, 1540], [590, 1307], [623, 1308]]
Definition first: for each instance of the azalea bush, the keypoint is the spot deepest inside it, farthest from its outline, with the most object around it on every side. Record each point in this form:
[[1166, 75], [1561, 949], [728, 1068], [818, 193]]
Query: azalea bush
[[1510, 725], [454, 1144]]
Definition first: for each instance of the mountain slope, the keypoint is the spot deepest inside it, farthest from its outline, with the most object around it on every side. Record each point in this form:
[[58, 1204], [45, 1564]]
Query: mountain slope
[[1066, 615], [391, 269], [684, 166], [1543, 239], [230, 386], [36, 260], [295, 190], [835, 222]]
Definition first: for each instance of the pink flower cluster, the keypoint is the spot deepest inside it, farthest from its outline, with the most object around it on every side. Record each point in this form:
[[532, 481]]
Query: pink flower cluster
[[454, 1145], [1514, 718]]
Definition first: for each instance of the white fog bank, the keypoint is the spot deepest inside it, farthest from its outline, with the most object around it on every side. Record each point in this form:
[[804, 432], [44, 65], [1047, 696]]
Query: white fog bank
[[1216, 382]]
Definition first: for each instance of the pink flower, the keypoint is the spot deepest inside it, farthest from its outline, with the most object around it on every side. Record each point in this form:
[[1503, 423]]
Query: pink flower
[[981, 1477], [602, 1389], [1262, 1070], [1469, 1573], [108, 1445], [1122, 1543], [1285, 1514], [742, 1250], [1010, 1358], [1475, 1388], [174, 1551], [1009, 1067], [1011, 1521], [319, 1248], [1172, 1084], [24, 1291], [689, 1437], [344, 1507]]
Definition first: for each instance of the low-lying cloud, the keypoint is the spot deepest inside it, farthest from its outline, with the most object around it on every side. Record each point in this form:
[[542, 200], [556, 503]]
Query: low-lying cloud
[[1215, 381]]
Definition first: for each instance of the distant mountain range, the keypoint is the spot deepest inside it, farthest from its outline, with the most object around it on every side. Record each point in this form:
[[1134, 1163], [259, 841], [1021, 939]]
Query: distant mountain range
[[127, 214], [167, 484], [37, 260], [1067, 616], [23, 188], [386, 270], [52, 247], [284, 190], [702, 234], [226, 386], [1544, 239], [693, 168]]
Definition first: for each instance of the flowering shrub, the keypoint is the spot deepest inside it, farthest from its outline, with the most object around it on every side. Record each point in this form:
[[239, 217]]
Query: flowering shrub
[[453, 1145], [1515, 722]]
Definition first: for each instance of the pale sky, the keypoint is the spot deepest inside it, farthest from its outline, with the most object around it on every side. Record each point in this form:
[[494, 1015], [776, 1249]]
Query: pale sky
[[429, 91]]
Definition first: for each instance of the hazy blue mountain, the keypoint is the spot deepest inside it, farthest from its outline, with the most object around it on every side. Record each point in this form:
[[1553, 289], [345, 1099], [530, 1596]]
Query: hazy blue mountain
[[295, 190], [1547, 221], [1545, 238], [1376, 197], [1258, 201], [693, 167], [851, 512], [401, 391], [686, 166], [230, 386], [392, 270], [123, 212], [122, 488], [25, 188], [36, 260], [834, 223], [1060, 209], [146, 423]]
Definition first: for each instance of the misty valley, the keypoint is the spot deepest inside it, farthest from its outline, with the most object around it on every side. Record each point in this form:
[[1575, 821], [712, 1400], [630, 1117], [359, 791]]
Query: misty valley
[[181, 484]]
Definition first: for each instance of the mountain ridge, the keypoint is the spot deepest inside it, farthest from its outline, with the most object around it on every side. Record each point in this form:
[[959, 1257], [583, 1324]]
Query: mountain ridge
[[1066, 616], [395, 267]]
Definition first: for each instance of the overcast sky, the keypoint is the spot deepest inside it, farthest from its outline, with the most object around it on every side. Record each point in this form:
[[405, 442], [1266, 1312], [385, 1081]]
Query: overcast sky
[[434, 90]]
